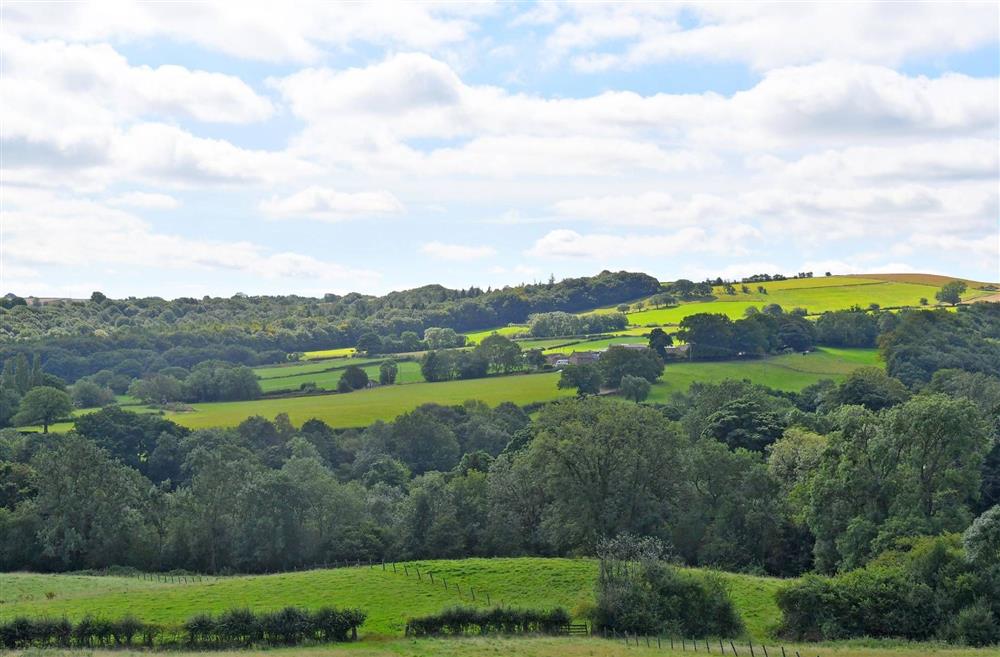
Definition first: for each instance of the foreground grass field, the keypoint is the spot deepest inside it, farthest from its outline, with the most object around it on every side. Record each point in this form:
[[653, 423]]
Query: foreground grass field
[[390, 597], [550, 647]]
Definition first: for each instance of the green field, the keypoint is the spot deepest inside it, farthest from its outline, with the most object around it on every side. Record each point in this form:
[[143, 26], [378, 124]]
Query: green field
[[362, 407], [408, 372], [509, 331], [596, 345], [391, 597], [786, 372], [388, 597], [790, 372], [817, 295], [312, 367]]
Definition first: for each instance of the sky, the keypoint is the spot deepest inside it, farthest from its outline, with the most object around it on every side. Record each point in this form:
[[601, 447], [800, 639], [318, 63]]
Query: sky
[[199, 148]]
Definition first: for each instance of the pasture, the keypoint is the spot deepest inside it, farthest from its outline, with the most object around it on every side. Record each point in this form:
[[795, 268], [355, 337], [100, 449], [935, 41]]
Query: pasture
[[388, 597], [391, 597], [407, 372], [596, 345], [789, 372], [362, 407], [816, 295]]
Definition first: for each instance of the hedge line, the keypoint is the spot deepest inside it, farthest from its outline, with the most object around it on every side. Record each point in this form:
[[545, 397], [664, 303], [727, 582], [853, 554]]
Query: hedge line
[[236, 627], [467, 620]]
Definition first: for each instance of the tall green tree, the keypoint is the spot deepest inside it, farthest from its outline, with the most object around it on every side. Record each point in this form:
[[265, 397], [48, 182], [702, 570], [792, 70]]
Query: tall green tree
[[607, 468], [659, 340], [387, 372], [635, 388], [618, 361], [43, 405], [93, 509], [585, 378], [502, 353], [951, 292]]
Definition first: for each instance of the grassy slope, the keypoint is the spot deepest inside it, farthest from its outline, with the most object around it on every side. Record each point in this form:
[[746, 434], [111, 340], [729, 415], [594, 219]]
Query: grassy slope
[[388, 597], [790, 372], [391, 597], [595, 345], [312, 367], [816, 295]]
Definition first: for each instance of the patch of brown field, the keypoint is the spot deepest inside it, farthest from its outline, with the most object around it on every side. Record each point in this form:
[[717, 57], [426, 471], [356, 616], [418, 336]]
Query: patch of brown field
[[922, 279], [992, 298]]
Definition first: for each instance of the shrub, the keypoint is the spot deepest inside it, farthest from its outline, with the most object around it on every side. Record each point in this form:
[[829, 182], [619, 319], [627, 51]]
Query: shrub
[[504, 620], [975, 625]]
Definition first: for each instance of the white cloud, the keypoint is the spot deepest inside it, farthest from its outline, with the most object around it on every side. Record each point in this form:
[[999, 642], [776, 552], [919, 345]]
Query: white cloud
[[606, 247], [647, 209], [945, 160], [151, 201], [413, 114], [97, 74], [43, 229], [458, 252], [602, 36], [255, 30], [330, 205]]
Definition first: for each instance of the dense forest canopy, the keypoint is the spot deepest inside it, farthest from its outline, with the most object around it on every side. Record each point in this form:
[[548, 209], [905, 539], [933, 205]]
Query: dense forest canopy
[[79, 338]]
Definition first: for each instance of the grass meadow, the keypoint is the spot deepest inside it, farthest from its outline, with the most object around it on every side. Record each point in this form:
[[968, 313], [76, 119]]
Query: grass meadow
[[817, 295], [362, 407], [392, 597], [388, 597], [407, 372]]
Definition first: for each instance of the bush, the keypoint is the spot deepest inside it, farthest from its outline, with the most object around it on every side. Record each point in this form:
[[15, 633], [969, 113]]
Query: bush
[[503, 620], [236, 627], [975, 626], [652, 597]]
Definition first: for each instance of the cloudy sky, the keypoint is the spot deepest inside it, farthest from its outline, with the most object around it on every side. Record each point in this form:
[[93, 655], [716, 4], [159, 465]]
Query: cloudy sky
[[199, 148]]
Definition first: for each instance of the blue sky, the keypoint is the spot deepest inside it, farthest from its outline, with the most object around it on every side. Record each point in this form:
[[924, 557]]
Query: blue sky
[[190, 149]]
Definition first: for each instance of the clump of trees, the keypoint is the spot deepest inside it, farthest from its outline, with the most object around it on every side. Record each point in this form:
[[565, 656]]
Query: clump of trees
[[717, 337], [495, 354], [921, 588], [558, 324], [639, 592], [616, 366], [207, 382]]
